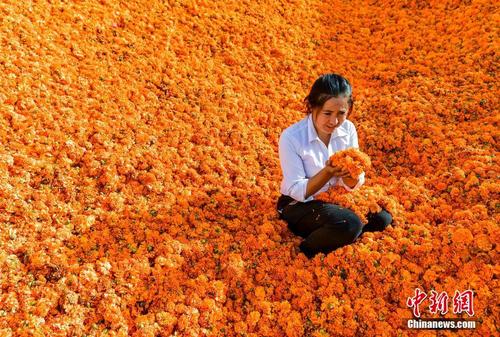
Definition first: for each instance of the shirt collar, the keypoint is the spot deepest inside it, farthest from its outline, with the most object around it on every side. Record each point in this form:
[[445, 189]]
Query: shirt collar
[[313, 135]]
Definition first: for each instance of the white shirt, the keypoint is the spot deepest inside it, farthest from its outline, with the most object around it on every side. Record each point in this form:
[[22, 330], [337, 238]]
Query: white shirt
[[302, 155]]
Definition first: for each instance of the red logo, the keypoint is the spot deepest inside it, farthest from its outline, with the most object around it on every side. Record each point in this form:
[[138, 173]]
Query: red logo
[[414, 302], [438, 302], [462, 302]]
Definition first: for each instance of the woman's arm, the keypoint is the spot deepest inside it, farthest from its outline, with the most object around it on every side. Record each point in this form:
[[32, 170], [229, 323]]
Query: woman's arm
[[316, 182], [294, 177]]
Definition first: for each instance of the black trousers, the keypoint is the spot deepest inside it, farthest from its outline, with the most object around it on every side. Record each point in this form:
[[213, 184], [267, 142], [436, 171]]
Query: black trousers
[[326, 226]]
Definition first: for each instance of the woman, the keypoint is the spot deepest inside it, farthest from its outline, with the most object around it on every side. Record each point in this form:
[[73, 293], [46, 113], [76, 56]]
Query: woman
[[304, 150]]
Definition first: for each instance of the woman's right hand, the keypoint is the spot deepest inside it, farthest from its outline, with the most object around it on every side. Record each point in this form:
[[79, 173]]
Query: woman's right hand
[[336, 171]]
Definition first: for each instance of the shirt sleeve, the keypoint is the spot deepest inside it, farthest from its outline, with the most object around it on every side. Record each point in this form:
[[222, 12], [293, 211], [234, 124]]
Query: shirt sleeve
[[353, 142], [294, 176]]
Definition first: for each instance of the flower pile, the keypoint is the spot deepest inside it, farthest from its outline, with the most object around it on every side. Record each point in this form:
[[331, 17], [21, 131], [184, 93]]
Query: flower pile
[[139, 170]]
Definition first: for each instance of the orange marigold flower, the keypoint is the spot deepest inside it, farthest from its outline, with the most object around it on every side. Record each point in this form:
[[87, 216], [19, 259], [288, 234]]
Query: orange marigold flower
[[462, 236]]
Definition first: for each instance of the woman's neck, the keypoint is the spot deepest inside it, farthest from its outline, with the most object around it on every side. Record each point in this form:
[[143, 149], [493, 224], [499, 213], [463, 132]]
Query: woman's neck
[[325, 139]]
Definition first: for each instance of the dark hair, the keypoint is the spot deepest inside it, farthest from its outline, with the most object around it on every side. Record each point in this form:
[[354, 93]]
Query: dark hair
[[326, 87]]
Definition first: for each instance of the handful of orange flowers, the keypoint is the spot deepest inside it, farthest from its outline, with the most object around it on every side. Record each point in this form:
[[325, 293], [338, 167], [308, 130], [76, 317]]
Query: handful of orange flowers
[[352, 160]]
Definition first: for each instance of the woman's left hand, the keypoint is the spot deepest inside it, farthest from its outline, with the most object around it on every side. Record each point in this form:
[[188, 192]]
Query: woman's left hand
[[349, 181], [335, 171]]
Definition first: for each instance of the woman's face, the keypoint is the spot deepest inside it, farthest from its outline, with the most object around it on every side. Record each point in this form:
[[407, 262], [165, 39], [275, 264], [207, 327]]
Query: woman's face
[[331, 115]]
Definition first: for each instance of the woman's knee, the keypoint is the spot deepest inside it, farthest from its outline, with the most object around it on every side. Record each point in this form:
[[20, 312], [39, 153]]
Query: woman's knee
[[354, 228], [383, 217], [378, 221], [332, 236], [347, 224]]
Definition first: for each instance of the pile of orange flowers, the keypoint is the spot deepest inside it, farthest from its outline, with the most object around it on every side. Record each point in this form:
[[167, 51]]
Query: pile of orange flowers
[[351, 160], [139, 169]]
